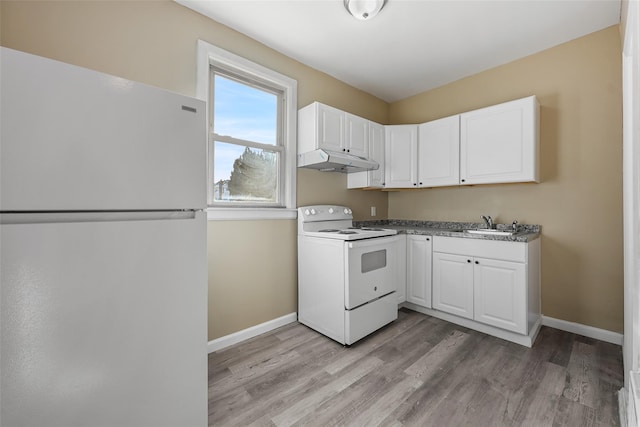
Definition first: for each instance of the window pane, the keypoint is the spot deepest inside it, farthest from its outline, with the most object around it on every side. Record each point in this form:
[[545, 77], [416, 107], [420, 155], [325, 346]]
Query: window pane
[[244, 112], [244, 174]]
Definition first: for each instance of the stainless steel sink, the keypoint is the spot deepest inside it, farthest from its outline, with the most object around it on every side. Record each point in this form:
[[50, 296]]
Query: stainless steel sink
[[491, 232]]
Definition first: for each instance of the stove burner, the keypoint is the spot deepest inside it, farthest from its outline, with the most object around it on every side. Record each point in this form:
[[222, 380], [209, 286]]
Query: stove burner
[[329, 230], [347, 232]]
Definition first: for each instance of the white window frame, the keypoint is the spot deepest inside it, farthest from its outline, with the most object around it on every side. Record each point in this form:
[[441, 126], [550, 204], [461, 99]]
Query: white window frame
[[209, 55]]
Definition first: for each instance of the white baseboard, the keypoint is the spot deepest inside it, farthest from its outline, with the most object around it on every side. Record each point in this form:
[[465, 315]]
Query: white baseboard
[[580, 329], [563, 325], [623, 398], [245, 334]]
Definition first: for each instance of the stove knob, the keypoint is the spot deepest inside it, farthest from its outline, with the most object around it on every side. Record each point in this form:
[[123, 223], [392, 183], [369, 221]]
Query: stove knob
[[306, 212], [346, 211], [313, 211], [330, 210]]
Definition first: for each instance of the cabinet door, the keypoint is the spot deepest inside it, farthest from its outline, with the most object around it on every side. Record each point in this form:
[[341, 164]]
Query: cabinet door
[[500, 294], [376, 152], [439, 152], [500, 143], [453, 284], [419, 270], [330, 128], [401, 264], [373, 178], [401, 149], [357, 135]]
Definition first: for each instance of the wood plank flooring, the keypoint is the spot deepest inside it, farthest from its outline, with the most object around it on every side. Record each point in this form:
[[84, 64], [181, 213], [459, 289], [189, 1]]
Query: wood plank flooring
[[417, 371]]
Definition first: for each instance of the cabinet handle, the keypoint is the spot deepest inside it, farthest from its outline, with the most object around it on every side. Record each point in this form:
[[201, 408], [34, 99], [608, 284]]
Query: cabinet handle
[[348, 151], [427, 239], [469, 260], [477, 262], [415, 183], [344, 149], [462, 180]]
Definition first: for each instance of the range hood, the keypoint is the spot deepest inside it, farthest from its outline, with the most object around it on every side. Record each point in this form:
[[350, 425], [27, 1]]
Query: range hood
[[335, 161]]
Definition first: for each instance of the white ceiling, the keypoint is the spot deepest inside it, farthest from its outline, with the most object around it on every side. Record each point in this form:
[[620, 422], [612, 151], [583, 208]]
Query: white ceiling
[[412, 45]]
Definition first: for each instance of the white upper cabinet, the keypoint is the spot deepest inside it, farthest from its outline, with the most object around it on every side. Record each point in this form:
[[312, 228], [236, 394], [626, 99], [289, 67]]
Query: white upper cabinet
[[330, 122], [356, 139], [492, 145], [439, 152], [401, 152], [500, 143], [322, 126], [376, 152], [373, 178]]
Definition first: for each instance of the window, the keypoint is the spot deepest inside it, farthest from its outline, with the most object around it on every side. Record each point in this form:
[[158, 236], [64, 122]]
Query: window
[[246, 150], [251, 113]]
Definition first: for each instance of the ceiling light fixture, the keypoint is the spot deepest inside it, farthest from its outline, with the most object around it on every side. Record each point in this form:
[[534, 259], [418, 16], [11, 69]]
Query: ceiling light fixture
[[364, 9]]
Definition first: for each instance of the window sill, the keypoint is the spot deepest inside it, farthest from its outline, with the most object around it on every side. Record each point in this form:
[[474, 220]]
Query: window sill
[[250, 214]]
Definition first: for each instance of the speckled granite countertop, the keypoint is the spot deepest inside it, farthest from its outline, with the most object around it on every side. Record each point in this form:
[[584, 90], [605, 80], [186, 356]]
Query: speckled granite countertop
[[526, 232]]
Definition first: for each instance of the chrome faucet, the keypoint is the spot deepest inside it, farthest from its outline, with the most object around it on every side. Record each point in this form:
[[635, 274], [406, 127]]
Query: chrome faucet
[[488, 221]]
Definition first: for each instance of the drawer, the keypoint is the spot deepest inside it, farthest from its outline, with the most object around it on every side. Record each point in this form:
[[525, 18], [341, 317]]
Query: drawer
[[360, 322], [494, 249]]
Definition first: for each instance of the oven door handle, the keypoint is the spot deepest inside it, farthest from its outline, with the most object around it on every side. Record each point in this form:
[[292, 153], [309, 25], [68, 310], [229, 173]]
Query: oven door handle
[[374, 241]]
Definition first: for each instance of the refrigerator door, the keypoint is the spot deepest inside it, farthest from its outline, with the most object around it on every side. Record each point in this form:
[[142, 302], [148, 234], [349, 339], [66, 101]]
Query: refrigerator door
[[103, 320], [75, 139]]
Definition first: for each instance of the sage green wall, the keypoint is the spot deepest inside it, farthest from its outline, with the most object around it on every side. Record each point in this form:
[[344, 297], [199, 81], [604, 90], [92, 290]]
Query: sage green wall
[[252, 264], [579, 201]]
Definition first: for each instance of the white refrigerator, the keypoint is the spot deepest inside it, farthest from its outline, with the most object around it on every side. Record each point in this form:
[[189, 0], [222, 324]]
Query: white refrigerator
[[102, 249]]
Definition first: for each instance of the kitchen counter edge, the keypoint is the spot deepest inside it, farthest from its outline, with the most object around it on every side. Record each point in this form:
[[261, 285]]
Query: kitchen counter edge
[[528, 232]]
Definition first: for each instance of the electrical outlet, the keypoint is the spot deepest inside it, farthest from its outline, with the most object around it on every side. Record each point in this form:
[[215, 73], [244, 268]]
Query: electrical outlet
[[373, 211]]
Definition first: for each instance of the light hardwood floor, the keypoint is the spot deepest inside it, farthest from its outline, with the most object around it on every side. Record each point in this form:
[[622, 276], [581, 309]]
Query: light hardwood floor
[[417, 371]]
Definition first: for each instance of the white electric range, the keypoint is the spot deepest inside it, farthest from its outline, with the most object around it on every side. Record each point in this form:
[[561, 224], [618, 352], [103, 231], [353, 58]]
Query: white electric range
[[346, 275]]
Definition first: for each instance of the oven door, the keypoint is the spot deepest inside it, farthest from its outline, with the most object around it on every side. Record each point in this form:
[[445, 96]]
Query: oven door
[[371, 266]]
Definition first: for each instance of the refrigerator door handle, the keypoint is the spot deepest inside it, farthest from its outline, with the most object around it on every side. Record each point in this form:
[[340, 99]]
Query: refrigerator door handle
[[94, 216]]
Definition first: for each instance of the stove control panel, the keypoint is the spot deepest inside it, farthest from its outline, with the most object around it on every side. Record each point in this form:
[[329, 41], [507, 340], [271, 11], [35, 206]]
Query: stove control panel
[[324, 213]]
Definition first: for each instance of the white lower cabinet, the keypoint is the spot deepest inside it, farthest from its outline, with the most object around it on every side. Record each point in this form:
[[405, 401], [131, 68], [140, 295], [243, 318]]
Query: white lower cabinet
[[491, 282], [486, 290], [453, 284], [499, 294], [419, 248], [401, 273]]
